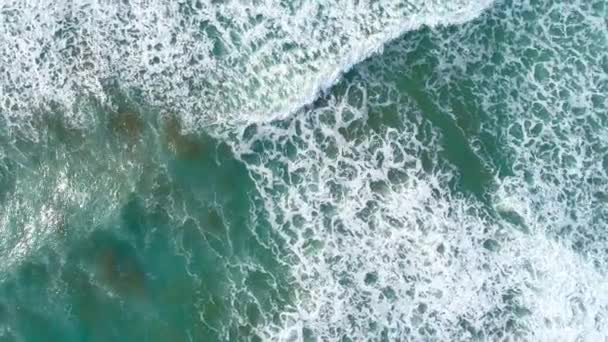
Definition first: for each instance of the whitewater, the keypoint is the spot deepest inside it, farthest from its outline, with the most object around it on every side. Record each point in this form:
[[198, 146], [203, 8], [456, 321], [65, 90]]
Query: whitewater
[[304, 170]]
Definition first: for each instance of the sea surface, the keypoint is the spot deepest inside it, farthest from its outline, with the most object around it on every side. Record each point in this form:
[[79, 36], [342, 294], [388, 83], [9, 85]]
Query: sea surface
[[304, 170]]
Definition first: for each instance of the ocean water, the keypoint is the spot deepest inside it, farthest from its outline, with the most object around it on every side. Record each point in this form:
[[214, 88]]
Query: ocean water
[[304, 170]]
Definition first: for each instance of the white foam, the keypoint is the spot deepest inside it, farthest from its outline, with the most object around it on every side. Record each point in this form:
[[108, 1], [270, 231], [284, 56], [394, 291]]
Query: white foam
[[213, 62], [383, 246], [406, 259], [385, 250]]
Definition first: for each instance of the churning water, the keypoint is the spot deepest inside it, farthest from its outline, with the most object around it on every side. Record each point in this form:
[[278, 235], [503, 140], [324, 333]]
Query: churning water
[[303, 170]]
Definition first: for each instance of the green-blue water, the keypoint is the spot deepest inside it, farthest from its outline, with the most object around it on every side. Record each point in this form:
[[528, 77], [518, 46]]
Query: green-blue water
[[453, 186]]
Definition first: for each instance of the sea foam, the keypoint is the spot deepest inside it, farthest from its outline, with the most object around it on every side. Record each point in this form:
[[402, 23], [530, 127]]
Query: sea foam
[[388, 248], [215, 63]]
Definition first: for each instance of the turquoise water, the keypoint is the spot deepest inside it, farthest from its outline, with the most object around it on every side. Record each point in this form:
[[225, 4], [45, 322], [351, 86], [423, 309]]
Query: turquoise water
[[304, 171]]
